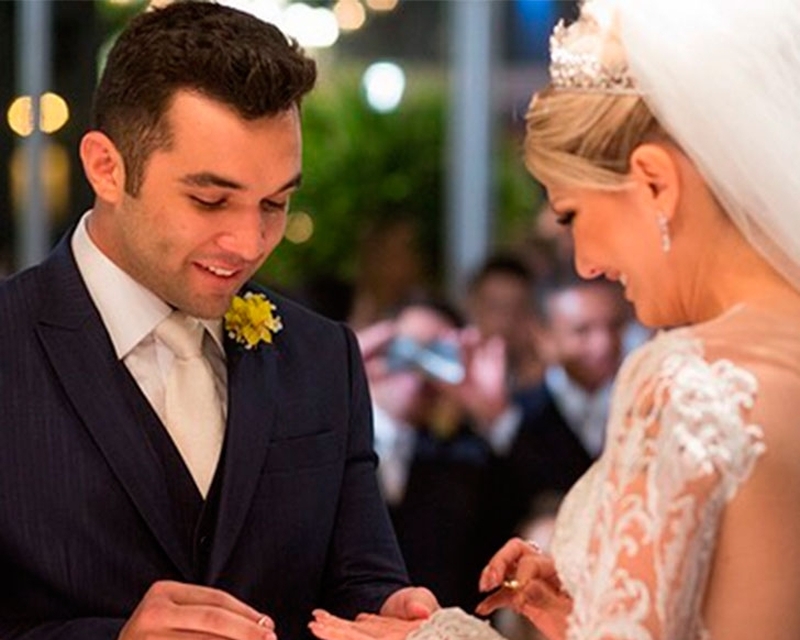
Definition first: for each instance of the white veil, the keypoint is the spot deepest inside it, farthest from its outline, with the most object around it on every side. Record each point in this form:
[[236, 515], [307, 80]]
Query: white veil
[[723, 77]]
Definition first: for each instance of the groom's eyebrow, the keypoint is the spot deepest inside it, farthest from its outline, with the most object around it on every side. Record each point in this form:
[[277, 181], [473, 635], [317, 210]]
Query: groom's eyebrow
[[210, 179]]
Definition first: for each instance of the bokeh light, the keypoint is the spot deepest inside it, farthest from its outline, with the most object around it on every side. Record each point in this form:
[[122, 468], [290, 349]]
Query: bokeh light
[[384, 84], [54, 114], [350, 14], [299, 227]]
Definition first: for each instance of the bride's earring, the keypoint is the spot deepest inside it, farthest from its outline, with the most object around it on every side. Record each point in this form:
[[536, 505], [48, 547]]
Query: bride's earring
[[663, 227]]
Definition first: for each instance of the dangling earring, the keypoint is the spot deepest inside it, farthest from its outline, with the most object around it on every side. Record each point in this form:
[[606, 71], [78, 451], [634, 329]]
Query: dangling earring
[[663, 227]]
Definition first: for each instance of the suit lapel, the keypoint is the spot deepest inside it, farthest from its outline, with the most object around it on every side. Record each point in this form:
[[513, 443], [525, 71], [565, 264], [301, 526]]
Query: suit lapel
[[252, 393], [80, 351]]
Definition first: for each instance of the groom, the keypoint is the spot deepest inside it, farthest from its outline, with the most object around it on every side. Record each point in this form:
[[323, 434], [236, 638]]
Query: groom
[[119, 516]]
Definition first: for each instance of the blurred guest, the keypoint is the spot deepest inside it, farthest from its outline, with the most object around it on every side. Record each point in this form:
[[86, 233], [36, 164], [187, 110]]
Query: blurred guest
[[500, 303], [579, 334], [580, 329], [438, 476]]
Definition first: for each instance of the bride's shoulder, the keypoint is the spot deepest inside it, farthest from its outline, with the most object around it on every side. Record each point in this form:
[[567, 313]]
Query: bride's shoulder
[[744, 341], [742, 369], [764, 342]]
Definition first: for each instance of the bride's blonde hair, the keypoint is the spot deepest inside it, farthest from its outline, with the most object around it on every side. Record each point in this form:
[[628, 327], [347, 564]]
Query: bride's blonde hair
[[586, 139]]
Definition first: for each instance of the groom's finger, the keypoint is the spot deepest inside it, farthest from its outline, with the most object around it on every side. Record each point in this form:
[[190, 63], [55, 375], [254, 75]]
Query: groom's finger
[[188, 594]]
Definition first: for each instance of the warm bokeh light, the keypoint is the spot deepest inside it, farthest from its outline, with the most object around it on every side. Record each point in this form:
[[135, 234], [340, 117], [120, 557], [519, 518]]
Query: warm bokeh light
[[54, 175], [299, 227], [54, 114], [382, 5], [350, 14], [311, 27], [384, 84], [20, 116]]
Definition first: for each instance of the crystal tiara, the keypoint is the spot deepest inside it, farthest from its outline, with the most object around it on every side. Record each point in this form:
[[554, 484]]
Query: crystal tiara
[[574, 68]]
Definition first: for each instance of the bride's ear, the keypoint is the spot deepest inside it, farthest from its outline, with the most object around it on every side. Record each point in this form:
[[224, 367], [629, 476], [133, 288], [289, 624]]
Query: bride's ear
[[654, 169]]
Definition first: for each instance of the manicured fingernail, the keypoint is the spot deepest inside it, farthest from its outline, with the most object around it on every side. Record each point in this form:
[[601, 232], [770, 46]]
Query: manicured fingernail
[[489, 580]]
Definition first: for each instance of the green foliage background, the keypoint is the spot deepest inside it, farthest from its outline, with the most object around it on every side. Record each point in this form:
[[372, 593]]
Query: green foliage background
[[361, 167]]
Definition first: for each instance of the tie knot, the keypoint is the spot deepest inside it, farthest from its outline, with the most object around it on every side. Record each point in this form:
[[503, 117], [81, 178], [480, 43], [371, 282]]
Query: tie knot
[[182, 334]]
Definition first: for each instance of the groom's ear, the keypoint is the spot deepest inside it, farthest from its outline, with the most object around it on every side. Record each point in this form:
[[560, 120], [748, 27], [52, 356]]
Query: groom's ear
[[103, 166], [656, 171]]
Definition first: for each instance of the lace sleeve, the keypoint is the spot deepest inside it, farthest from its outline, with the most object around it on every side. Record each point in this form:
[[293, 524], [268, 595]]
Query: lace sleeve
[[679, 447]]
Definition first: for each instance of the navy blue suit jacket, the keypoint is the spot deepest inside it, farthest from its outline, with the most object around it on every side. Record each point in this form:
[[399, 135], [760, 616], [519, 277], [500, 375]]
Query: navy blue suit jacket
[[88, 515], [546, 458]]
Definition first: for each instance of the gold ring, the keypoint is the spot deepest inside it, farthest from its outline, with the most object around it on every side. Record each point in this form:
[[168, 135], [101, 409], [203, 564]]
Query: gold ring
[[511, 583]]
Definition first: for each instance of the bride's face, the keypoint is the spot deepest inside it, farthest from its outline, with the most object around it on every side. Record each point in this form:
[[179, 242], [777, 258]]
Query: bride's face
[[616, 236]]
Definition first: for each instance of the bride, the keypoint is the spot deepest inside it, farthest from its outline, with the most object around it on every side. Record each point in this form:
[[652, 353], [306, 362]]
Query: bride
[[669, 142]]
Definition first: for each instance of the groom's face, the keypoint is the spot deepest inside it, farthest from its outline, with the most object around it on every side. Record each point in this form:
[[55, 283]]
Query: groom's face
[[212, 204]]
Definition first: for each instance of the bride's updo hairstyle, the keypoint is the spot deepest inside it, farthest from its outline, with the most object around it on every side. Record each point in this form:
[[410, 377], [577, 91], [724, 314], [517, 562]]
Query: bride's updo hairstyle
[[582, 129], [719, 79], [586, 139]]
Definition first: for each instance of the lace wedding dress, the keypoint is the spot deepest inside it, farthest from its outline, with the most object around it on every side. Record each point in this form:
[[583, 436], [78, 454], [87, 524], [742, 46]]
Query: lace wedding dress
[[635, 538]]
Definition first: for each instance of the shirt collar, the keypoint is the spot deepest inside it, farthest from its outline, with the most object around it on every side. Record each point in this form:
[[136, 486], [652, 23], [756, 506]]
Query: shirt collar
[[116, 294], [574, 401]]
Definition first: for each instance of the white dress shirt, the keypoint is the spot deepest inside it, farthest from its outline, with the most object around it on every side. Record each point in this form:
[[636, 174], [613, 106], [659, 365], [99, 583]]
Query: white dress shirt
[[585, 413], [130, 313], [394, 443]]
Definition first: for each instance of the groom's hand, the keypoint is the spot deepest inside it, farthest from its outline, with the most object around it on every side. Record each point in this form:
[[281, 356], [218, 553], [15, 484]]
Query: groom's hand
[[178, 610], [410, 603]]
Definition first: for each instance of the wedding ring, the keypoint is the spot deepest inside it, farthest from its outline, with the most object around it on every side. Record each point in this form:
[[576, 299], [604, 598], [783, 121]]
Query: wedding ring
[[534, 545], [262, 621], [511, 583]]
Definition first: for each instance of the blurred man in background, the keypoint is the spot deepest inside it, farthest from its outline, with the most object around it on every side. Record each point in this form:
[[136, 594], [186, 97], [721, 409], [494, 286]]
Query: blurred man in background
[[438, 475], [499, 302]]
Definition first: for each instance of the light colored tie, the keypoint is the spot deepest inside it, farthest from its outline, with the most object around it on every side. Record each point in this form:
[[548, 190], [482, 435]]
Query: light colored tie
[[193, 408]]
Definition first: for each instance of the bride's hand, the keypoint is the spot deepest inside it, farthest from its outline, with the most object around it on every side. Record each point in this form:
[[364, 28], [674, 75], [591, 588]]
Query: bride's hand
[[529, 584], [366, 626]]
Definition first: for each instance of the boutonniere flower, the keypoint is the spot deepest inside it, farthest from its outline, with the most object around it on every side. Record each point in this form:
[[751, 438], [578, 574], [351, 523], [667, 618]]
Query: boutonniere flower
[[251, 320]]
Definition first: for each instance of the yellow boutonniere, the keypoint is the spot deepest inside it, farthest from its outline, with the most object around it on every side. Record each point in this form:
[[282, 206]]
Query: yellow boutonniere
[[251, 320]]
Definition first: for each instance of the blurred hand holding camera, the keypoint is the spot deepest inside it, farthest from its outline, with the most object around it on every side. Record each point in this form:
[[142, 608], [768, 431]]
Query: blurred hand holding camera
[[464, 368], [484, 390]]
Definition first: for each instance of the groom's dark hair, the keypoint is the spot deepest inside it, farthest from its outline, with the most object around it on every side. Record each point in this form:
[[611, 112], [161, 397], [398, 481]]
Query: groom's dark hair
[[212, 50]]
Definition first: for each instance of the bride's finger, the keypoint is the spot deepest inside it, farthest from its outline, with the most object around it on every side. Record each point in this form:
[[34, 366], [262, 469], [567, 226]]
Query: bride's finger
[[533, 593], [497, 600], [541, 598], [503, 564], [536, 566]]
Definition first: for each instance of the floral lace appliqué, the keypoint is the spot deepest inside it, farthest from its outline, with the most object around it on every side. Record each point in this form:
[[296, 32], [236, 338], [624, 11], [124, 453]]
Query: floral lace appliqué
[[635, 537], [453, 624]]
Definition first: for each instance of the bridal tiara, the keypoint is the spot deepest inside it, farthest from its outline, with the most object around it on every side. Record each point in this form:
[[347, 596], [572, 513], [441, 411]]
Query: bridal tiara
[[587, 56]]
